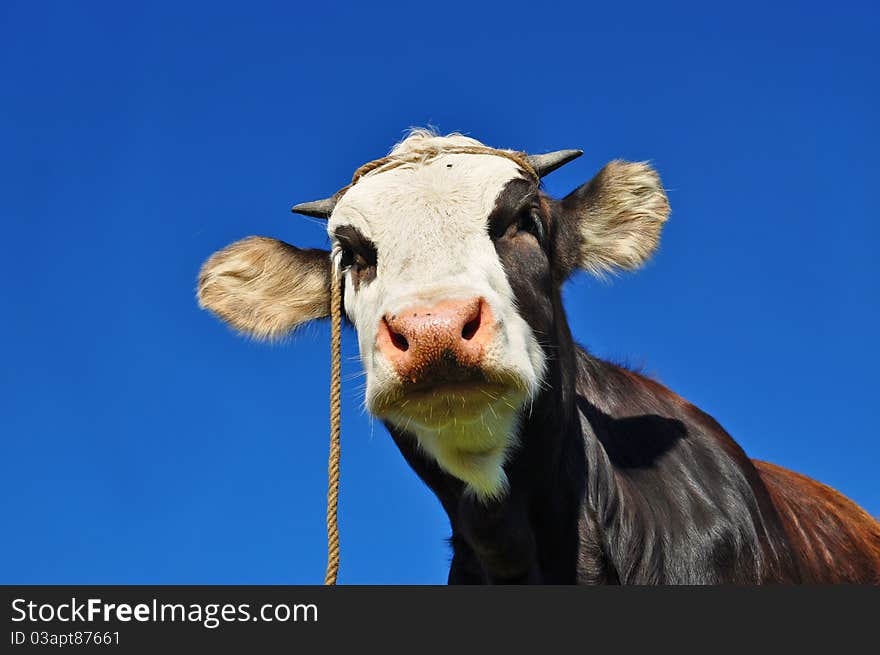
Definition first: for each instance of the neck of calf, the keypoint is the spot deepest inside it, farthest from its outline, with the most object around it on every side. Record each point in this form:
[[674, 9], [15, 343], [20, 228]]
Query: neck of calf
[[531, 534]]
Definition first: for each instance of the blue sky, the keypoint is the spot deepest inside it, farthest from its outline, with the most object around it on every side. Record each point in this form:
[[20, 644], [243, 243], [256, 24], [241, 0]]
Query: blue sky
[[143, 442]]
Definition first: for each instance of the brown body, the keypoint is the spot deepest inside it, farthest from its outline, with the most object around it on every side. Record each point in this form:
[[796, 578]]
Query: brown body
[[833, 539], [677, 500]]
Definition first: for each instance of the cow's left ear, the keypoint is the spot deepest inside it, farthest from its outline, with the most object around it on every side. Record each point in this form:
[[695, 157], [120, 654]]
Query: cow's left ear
[[265, 287], [614, 220]]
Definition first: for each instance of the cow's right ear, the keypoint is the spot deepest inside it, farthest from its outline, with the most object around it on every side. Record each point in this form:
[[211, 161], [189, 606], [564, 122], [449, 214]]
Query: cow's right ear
[[265, 287]]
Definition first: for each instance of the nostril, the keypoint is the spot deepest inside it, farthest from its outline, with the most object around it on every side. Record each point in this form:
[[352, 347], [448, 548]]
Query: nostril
[[471, 327], [397, 339]]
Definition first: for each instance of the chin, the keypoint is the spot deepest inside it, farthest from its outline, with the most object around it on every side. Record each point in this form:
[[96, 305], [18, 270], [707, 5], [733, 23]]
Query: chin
[[469, 428]]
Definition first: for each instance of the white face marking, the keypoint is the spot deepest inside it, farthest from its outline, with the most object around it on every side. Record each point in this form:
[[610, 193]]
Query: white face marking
[[429, 224]]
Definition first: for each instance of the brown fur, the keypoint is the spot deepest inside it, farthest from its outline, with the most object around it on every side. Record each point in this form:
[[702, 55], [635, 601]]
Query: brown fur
[[833, 539]]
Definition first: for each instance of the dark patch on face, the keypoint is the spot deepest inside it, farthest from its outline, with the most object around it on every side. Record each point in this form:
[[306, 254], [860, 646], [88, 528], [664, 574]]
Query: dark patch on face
[[520, 230], [532, 271], [359, 255]]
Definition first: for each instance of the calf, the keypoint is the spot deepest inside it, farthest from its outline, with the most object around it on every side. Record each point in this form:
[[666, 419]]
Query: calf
[[553, 465]]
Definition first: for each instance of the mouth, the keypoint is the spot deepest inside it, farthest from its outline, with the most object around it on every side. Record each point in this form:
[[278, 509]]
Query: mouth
[[437, 404], [470, 391]]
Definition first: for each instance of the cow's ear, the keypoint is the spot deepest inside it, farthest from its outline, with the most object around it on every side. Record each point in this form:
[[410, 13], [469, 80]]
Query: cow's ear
[[614, 220], [265, 287]]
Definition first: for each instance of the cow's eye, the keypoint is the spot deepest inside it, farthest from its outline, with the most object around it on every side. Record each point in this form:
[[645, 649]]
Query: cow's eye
[[359, 259], [528, 220], [346, 257], [353, 259]]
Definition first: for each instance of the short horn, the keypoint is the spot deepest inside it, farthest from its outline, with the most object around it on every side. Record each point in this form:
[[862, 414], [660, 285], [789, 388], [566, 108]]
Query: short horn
[[317, 208], [549, 162]]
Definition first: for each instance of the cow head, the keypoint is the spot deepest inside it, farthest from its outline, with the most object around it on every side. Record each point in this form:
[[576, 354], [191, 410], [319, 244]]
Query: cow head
[[450, 257]]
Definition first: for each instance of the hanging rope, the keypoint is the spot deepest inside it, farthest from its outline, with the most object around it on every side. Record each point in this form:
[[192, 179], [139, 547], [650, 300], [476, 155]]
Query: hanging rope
[[335, 424]]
